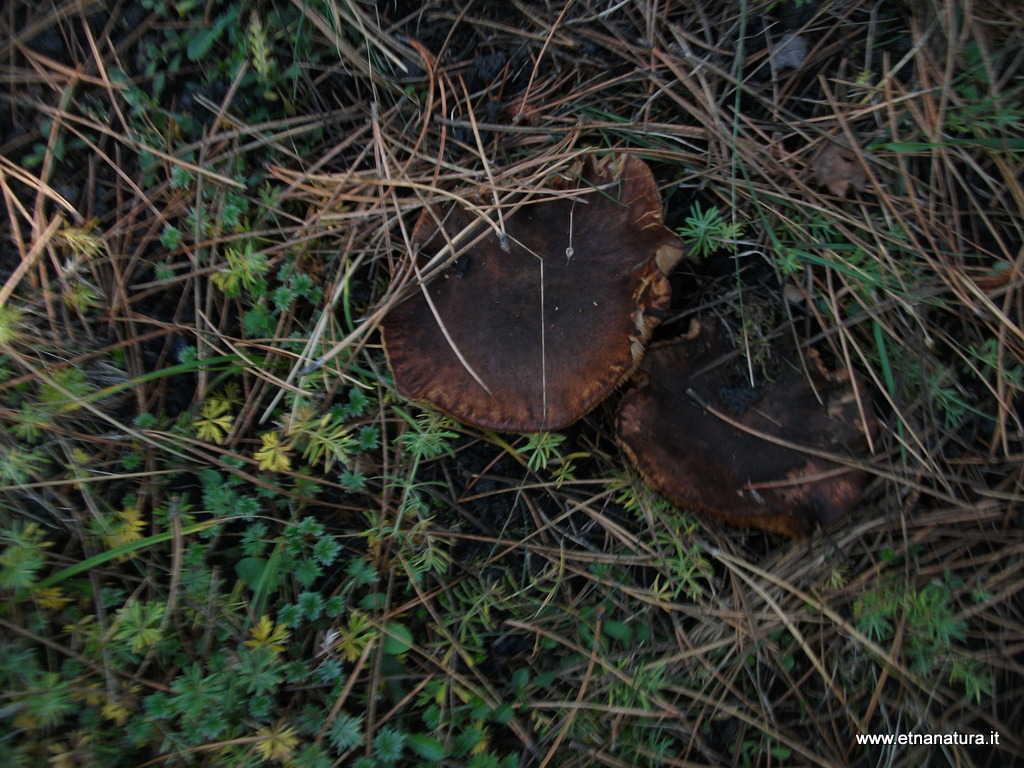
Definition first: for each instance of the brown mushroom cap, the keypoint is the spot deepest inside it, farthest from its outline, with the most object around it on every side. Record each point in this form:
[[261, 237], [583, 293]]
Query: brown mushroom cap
[[549, 335], [696, 459]]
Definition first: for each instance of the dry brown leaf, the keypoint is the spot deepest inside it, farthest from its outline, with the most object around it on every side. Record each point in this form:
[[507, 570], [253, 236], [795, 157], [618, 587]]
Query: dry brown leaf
[[838, 168]]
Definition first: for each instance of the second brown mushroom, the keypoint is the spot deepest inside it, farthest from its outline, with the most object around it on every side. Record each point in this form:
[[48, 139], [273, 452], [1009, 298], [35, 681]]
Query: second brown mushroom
[[761, 459]]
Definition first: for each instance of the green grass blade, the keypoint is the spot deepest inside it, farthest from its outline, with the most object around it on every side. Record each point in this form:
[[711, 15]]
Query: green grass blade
[[124, 549]]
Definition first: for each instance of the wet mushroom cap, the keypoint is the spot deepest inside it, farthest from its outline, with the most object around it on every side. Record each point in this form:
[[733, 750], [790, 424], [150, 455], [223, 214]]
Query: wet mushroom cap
[[697, 459], [548, 328]]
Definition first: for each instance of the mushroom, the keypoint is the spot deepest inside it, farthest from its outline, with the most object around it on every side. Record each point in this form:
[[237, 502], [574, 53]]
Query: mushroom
[[533, 326], [766, 466]]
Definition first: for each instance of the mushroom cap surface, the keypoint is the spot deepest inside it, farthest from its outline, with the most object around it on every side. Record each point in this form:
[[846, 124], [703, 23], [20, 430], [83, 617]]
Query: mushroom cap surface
[[549, 332], [699, 460]]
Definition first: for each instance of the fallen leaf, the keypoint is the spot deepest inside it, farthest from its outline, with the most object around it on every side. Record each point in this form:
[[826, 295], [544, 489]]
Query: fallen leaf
[[838, 168], [789, 52]]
